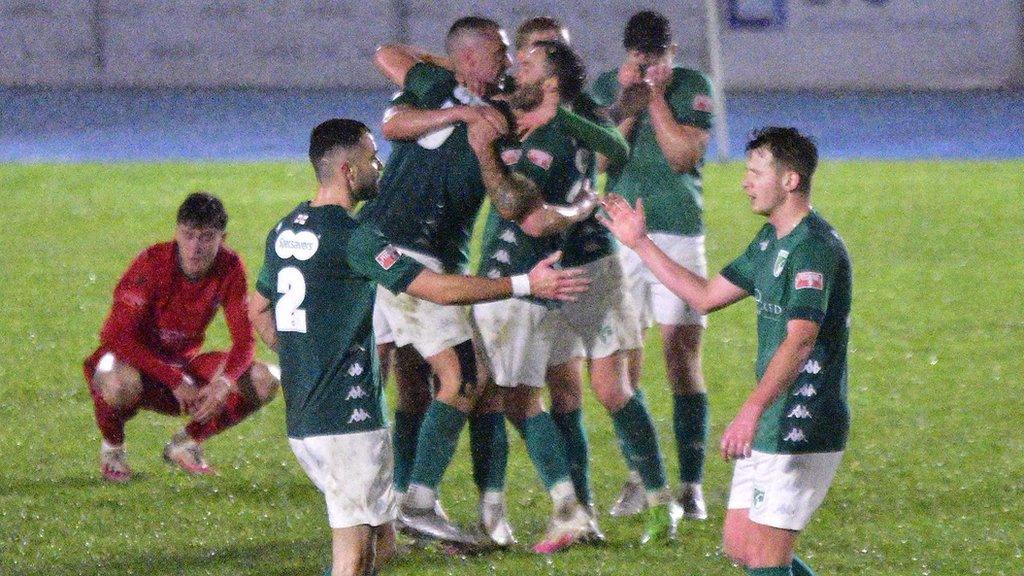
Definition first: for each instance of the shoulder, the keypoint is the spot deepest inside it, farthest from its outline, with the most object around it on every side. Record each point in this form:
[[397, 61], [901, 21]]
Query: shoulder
[[156, 257], [604, 87], [423, 77], [227, 262], [688, 78]]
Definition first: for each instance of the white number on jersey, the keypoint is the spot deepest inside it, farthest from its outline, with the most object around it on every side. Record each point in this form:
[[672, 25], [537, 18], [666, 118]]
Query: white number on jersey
[[287, 314]]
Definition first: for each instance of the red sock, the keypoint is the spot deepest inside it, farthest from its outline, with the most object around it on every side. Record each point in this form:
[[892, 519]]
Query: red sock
[[236, 408]]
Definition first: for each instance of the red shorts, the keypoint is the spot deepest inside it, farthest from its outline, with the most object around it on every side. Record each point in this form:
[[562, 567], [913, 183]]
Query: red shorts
[[157, 396]]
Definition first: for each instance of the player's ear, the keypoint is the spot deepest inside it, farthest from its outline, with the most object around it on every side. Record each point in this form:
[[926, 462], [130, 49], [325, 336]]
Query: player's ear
[[670, 52], [791, 181]]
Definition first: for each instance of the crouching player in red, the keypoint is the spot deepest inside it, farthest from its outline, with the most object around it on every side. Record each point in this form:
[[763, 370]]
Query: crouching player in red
[[149, 345]]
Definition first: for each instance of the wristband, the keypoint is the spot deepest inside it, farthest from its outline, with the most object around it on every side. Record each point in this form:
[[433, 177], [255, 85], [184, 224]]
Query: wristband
[[521, 285]]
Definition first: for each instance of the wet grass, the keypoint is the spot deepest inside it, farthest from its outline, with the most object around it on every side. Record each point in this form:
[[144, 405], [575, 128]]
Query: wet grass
[[932, 482]]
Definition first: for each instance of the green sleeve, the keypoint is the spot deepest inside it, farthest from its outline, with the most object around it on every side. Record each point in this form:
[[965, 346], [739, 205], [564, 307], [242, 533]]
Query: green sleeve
[[812, 268], [264, 284], [690, 99], [604, 88], [601, 139], [370, 254]]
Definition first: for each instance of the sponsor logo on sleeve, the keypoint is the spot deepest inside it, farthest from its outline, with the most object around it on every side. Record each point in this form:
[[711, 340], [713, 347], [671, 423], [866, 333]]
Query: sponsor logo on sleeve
[[387, 257], [511, 156], [809, 279], [703, 103], [539, 157], [300, 246]]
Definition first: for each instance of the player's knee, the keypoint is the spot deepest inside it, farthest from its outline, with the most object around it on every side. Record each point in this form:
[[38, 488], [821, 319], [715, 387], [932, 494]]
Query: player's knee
[[612, 398], [120, 387], [264, 382]]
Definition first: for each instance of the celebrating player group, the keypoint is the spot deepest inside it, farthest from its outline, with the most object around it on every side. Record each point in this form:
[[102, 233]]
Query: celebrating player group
[[371, 276]]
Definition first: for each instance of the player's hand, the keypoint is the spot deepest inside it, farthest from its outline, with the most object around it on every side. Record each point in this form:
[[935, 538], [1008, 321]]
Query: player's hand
[[657, 78], [738, 438], [554, 284], [630, 73], [475, 87], [486, 125], [212, 397], [627, 224], [186, 394]]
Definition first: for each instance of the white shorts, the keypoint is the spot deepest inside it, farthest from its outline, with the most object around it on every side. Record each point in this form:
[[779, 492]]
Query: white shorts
[[429, 327], [656, 302], [782, 490], [603, 321], [354, 472], [516, 340]]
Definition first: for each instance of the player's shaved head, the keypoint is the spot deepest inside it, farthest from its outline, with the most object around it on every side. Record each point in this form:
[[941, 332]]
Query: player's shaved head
[[540, 24], [203, 210], [790, 150], [331, 138], [469, 30]]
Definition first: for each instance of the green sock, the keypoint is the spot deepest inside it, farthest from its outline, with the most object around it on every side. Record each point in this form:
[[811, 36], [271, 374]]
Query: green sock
[[800, 568], [439, 435], [639, 441], [570, 424], [690, 423], [776, 571], [488, 443], [546, 447], [639, 395], [407, 430]]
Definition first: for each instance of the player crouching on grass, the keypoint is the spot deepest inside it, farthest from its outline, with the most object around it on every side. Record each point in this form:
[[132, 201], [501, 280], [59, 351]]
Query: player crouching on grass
[[788, 437], [149, 345]]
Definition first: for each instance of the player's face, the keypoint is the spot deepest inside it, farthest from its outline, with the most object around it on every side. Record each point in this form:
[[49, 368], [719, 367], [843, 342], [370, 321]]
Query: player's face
[[364, 169], [197, 248], [763, 182], [490, 58], [644, 60], [530, 74]]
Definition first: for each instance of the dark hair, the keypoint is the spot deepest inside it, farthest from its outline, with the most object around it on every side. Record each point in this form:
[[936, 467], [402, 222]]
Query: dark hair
[[203, 210], [563, 63], [328, 135], [648, 32], [790, 149], [537, 24], [467, 25]]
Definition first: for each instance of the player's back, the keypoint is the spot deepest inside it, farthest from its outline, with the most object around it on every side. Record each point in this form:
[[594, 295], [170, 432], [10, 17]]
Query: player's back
[[323, 311]]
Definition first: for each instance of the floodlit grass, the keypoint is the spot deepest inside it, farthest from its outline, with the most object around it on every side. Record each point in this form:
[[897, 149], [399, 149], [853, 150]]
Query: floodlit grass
[[932, 483]]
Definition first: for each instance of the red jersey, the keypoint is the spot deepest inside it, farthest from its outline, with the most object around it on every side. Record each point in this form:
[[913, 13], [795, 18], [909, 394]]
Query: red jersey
[[159, 317]]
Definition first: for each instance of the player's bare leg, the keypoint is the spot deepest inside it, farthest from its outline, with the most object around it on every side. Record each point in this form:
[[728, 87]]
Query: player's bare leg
[[682, 344], [631, 499], [753, 545], [609, 377], [119, 388], [565, 384], [456, 369], [255, 388], [384, 546], [352, 550]]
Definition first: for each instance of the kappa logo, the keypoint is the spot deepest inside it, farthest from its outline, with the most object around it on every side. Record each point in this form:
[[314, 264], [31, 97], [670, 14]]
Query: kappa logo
[[508, 236], [300, 219], [359, 415], [355, 369], [300, 246], [806, 391], [809, 279], [511, 156], [758, 498], [387, 257], [780, 262], [539, 158], [355, 393], [799, 411], [703, 103], [795, 435], [502, 256], [494, 273], [812, 367]]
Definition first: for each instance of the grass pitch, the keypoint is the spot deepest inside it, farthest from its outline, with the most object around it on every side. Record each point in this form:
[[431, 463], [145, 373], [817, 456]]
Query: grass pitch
[[932, 482]]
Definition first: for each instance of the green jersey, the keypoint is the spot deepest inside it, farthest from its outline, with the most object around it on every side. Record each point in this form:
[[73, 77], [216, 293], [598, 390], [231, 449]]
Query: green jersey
[[807, 275], [673, 201], [431, 189], [320, 272]]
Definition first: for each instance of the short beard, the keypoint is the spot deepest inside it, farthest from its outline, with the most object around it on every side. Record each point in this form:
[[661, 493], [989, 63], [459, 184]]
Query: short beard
[[366, 192], [527, 97]]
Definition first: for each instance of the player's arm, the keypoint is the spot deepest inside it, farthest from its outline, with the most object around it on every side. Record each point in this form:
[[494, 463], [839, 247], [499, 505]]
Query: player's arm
[[395, 60], [409, 122], [236, 314], [630, 227], [123, 327], [261, 315], [543, 281], [782, 371], [682, 144], [604, 140]]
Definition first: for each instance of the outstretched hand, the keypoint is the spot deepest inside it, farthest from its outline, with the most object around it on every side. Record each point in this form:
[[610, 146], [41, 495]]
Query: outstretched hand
[[627, 224], [550, 283]]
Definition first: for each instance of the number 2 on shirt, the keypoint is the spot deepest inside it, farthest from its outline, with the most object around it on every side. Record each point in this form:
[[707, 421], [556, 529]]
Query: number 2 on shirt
[[287, 314]]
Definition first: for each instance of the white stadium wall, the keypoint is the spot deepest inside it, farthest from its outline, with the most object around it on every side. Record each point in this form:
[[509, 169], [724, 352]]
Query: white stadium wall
[[766, 44]]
